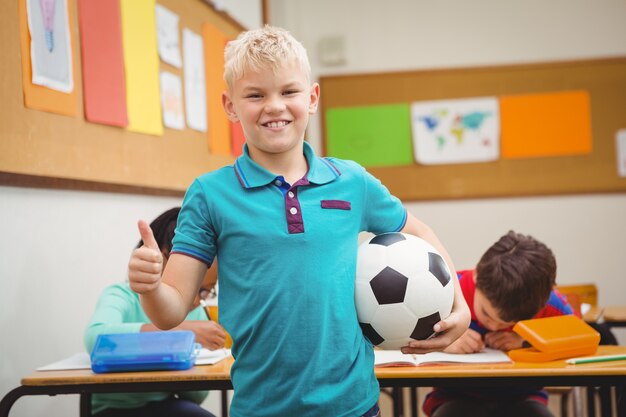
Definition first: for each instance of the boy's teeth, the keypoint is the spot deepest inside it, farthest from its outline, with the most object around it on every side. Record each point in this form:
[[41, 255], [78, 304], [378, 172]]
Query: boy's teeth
[[276, 124]]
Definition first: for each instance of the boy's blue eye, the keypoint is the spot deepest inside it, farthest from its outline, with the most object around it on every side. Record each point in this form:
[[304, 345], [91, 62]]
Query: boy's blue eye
[[290, 92]]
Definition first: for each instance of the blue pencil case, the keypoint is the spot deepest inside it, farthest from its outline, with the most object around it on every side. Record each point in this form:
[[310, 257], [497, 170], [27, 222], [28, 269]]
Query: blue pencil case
[[146, 351]]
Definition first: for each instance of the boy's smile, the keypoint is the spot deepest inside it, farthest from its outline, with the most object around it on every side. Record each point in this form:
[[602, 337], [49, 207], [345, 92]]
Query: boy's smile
[[273, 107]]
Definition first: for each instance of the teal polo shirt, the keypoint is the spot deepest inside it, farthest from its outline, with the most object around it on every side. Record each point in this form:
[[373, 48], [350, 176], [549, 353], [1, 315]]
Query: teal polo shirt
[[287, 263]]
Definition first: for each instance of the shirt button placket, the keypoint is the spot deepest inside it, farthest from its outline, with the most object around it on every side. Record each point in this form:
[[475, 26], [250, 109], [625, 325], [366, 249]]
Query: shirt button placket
[[294, 215]]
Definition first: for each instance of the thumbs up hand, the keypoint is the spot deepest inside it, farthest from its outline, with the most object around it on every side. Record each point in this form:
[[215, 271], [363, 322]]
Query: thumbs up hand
[[146, 263]]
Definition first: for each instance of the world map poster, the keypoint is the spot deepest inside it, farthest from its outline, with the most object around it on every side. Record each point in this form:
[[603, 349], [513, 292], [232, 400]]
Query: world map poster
[[456, 131]]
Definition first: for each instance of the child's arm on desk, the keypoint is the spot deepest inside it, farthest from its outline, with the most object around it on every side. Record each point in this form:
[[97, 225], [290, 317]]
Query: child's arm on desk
[[470, 342], [504, 340], [208, 333]]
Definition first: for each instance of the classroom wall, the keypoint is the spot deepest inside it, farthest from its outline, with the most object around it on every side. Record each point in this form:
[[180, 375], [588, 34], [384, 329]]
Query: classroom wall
[[248, 13], [585, 231], [59, 249]]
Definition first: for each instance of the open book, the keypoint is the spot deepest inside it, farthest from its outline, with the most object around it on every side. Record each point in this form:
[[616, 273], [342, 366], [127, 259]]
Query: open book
[[397, 358]]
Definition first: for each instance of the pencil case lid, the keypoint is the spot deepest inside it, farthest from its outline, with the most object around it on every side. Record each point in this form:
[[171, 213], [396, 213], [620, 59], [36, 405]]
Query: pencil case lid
[[144, 351], [555, 338]]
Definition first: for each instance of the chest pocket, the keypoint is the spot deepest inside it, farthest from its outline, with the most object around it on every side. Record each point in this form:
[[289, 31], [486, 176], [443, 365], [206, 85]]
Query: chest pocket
[[336, 204]]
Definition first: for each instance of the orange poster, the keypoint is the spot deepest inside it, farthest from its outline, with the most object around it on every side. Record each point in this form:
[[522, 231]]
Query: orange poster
[[37, 96], [219, 125], [548, 124]]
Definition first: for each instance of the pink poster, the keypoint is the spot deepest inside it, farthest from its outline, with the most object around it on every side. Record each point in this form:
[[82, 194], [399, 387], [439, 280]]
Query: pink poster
[[103, 62]]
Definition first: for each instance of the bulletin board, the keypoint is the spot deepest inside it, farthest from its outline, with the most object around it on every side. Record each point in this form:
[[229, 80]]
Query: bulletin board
[[44, 149], [594, 172]]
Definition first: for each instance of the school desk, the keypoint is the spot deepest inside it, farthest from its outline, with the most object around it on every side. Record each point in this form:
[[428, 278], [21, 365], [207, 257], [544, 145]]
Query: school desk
[[614, 316], [216, 377]]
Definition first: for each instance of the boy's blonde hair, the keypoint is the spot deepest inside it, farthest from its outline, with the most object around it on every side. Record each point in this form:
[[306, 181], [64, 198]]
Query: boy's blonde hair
[[261, 48]]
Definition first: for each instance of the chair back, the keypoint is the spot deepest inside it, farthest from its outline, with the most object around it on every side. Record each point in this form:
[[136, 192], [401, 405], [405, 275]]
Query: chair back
[[579, 294]]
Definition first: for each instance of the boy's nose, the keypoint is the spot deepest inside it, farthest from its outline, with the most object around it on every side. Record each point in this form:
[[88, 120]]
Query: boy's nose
[[274, 105]]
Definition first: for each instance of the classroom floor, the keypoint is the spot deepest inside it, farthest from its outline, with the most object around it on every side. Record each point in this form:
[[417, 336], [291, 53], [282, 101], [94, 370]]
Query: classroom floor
[[554, 404]]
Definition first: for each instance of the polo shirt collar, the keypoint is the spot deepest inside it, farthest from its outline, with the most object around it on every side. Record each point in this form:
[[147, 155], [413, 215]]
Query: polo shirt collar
[[250, 174]]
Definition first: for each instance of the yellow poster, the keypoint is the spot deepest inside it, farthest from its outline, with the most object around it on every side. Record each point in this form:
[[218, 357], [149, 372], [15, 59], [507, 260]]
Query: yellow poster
[[141, 62]]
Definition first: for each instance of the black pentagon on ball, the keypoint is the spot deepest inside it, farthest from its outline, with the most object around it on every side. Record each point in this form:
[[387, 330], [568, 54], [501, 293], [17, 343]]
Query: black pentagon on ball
[[371, 334], [437, 267], [387, 239], [424, 327], [389, 286]]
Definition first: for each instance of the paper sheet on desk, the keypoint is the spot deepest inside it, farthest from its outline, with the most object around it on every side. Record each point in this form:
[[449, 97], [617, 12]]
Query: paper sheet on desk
[[210, 357], [77, 361], [82, 361]]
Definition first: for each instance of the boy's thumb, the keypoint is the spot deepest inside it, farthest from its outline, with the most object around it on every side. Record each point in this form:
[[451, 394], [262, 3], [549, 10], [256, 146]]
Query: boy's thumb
[[146, 235]]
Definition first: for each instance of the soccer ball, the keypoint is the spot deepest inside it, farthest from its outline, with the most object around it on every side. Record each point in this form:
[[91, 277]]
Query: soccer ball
[[402, 289]]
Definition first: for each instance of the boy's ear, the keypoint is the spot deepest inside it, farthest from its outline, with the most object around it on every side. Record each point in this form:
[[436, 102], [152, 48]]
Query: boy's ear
[[229, 107], [314, 96]]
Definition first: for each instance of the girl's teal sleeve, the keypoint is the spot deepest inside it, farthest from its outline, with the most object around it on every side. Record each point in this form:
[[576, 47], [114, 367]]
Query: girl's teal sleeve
[[118, 311]]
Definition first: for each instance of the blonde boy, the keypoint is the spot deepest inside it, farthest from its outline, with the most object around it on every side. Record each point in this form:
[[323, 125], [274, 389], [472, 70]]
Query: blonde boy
[[285, 223]]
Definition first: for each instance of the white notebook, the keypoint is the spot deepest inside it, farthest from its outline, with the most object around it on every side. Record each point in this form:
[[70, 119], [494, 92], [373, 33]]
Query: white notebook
[[397, 358]]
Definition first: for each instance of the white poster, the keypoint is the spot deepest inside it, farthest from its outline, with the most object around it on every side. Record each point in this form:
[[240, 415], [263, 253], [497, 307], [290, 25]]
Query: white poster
[[50, 47], [456, 131], [195, 90], [167, 36], [621, 152], [172, 101]]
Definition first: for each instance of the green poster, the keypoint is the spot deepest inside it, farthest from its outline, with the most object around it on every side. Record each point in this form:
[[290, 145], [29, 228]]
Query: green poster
[[373, 136]]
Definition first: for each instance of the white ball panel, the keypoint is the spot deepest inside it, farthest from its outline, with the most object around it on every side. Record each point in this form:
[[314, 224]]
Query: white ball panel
[[366, 304], [395, 343], [447, 300], [371, 260], [404, 258], [394, 321], [424, 294]]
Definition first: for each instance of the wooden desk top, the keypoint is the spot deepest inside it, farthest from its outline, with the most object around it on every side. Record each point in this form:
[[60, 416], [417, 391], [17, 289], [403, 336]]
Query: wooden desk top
[[614, 313], [593, 314], [517, 369], [221, 372], [218, 372], [610, 314]]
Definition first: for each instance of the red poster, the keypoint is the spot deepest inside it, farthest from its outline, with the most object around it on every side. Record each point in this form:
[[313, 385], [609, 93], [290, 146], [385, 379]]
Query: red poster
[[104, 87]]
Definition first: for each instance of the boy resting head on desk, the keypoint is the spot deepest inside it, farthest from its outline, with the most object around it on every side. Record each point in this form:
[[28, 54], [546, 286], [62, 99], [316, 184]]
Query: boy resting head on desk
[[514, 280], [119, 311]]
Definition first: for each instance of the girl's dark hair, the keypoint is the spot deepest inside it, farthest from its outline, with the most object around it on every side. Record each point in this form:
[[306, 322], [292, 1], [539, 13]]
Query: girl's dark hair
[[163, 228], [516, 275]]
